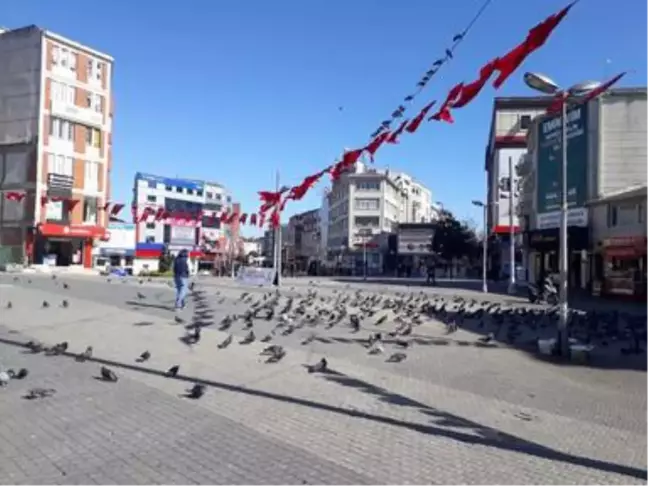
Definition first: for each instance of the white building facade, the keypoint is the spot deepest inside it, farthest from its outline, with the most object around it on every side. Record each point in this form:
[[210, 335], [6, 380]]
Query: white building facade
[[364, 206]]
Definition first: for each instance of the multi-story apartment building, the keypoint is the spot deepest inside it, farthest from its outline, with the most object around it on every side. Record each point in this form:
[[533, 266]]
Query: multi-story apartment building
[[192, 221], [606, 154], [416, 199], [305, 238], [510, 122], [363, 206], [56, 114], [214, 236]]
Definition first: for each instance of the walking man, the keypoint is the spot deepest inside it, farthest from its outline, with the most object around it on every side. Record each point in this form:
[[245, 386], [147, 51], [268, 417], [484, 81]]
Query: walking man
[[181, 278]]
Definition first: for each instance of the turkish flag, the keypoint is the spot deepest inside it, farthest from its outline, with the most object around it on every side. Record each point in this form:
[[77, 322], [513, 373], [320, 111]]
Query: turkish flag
[[253, 219], [116, 209], [393, 137], [15, 196], [71, 204], [375, 144], [469, 91], [416, 122], [444, 112], [535, 39]]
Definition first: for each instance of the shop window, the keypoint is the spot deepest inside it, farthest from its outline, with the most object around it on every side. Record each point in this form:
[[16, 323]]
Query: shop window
[[624, 214]]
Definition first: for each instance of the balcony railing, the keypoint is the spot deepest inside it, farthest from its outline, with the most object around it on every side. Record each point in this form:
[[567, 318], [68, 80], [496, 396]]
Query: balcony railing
[[60, 181]]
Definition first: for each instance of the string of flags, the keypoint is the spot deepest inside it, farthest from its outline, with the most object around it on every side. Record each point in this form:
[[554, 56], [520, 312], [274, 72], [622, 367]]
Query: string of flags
[[435, 67], [459, 96], [148, 213]]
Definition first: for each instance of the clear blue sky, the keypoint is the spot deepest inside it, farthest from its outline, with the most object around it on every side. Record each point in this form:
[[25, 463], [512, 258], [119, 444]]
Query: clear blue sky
[[233, 90]]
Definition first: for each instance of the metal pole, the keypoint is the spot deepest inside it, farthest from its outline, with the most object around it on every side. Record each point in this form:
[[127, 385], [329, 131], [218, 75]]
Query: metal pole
[[563, 342], [279, 243], [511, 289], [485, 252], [364, 258]]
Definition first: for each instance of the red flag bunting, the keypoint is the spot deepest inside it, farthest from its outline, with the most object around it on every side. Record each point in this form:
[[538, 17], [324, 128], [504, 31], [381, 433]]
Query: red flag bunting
[[470, 91], [253, 219], [535, 39], [375, 144], [15, 196], [393, 137], [414, 124]]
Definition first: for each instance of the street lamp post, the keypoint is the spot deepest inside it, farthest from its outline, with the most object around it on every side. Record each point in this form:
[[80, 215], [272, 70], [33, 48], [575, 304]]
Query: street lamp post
[[545, 85], [484, 246], [511, 287]]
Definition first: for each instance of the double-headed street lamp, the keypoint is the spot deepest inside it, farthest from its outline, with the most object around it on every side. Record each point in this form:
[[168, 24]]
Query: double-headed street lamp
[[545, 85]]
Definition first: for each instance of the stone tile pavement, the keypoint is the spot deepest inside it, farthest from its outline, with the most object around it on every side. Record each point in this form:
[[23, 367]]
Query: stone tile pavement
[[446, 415]]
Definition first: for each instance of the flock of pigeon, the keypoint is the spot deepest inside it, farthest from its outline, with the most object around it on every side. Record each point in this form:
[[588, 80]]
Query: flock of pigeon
[[359, 311]]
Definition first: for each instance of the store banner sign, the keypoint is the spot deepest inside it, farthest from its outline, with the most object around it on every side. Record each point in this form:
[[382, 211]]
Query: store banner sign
[[549, 165], [575, 217], [183, 235], [255, 276]]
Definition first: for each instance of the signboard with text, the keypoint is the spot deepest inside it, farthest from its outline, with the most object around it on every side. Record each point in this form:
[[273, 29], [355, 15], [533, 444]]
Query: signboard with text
[[549, 168], [255, 275]]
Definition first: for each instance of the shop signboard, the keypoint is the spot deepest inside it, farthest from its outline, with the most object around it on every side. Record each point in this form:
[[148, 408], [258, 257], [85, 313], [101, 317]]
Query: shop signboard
[[415, 238], [549, 169]]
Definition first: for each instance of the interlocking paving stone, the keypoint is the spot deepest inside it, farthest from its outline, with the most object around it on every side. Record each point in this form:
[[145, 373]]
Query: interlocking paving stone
[[445, 415]]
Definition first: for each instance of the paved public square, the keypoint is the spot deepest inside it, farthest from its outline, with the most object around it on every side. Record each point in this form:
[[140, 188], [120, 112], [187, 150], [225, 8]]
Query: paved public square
[[452, 412]]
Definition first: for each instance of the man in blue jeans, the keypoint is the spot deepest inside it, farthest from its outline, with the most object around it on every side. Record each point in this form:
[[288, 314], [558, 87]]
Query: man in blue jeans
[[181, 278]]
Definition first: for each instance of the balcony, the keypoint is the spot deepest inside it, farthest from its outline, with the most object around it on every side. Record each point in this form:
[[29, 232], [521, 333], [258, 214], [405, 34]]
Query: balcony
[[60, 181], [84, 116]]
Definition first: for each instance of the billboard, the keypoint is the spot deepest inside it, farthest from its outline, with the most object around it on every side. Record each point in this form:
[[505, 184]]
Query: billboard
[[182, 236], [415, 239], [506, 157], [549, 169]]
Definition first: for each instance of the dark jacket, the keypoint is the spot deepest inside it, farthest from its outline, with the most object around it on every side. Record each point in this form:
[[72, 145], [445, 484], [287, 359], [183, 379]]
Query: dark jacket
[[181, 266]]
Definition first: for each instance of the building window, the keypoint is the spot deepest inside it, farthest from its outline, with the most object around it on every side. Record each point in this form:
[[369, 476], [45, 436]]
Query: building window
[[199, 193], [94, 101], [54, 211], [152, 184], [209, 195], [151, 198], [93, 137], [61, 92], [190, 192], [218, 197], [61, 129], [640, 213], [94, 69], [150, 226], [62, 56], [150, 239], [525, 122], [624, 214], [368, 186], [209, 221], [367, 221], [179, 189], [60, 164], [367, 204], [90, 210], [168, 188], [91, 177]]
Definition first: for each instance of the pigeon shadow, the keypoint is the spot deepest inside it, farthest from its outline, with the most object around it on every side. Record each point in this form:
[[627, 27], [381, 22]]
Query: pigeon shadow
[[143, 323], [134, 303], [486, 436]]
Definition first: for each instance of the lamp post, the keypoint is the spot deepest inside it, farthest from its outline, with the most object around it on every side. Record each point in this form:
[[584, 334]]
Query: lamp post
[[545, 85], [484, 246], [511, 206]]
